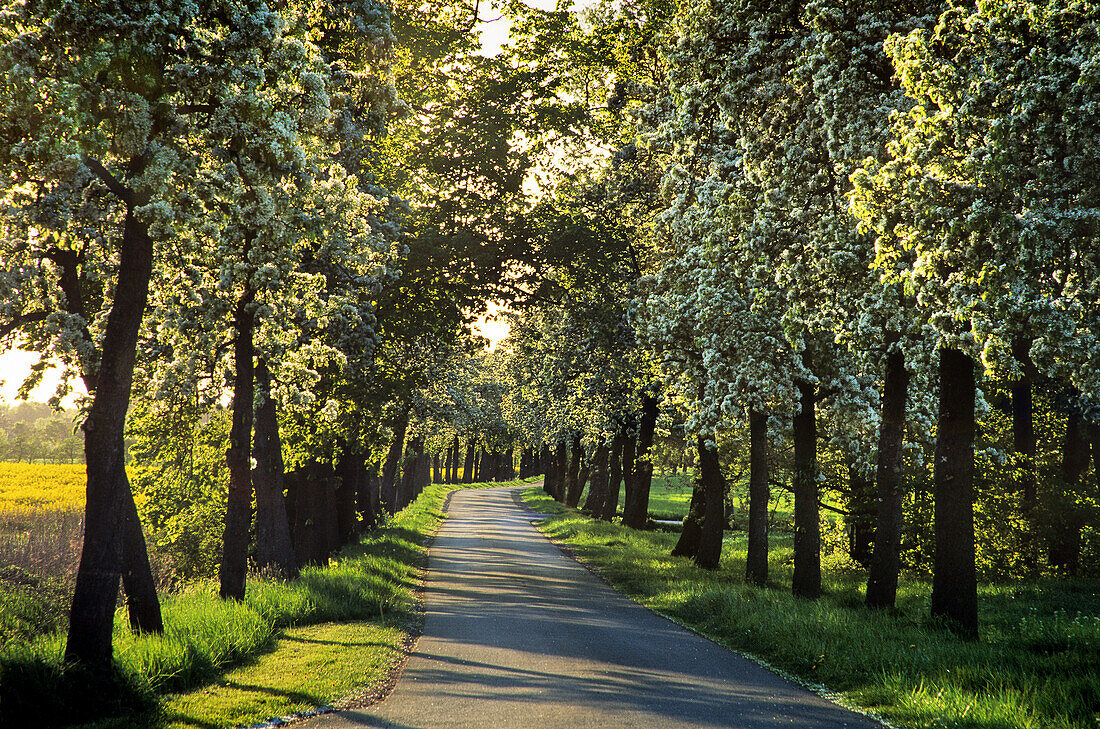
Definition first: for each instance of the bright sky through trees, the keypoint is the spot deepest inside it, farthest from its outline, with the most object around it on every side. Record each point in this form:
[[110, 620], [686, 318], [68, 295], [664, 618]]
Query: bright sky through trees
[[15, 364]]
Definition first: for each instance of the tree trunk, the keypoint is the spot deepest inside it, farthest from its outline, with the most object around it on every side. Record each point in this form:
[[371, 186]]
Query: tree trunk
[[756, 563], [636, 510], [582, 478], [91, 616], [593, 505], [367, 497], [1023, 425], [304, 514], [406, 492], [326, 519], [688, 543], [274, 549], [573, 485], [388, 487], [527, 462], [449, 465], [549, 474], [423, 473], [436, 475], [561, 467], [861, 516], [468, 463], [238, 457], [954, 581], [350, 464], [806, 581], [629, 465], [1093, 432], [714, 514], [137, 575], [882, 580], [1064, 552], [614, 477]]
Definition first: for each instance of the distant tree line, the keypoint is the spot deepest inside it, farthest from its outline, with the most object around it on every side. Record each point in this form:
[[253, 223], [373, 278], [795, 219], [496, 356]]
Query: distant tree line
[[36, 433]]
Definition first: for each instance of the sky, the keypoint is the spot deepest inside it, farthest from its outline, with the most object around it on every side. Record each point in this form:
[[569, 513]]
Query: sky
[[15, 365], [495, 33]]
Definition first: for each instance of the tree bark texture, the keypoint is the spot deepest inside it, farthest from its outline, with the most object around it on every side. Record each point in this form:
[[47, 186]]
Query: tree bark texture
[[688, 543], [350, 465], [274, 548], [325, 519], [549, 474], [91, 615], [468, 463], [406, 491], [882, 580], [806, 581], [561, 468], [422, 477], [614, 477], [714, 514], [573, 485], [1064, 551], [629, 465], [1024, 441], [238, 457], [597, 493], [388, 487], [954, 579], [583, 476], [142, 603], [312, 516], [861, 516], [636, 510], [367, 497], [756, 562]]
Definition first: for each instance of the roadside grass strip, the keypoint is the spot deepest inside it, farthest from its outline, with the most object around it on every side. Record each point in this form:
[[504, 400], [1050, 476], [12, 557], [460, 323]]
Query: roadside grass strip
[[362, 606], [1037, 665]]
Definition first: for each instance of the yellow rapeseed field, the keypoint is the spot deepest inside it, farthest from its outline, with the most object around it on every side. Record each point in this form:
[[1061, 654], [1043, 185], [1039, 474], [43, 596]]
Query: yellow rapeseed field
[[41, 486]]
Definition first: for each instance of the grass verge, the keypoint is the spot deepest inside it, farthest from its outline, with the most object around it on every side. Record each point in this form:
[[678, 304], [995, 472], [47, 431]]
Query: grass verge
[[368, 591], [1036, 667]]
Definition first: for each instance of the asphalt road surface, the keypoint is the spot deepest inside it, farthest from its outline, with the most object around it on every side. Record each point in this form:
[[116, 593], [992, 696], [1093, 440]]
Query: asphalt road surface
[[518, 635]]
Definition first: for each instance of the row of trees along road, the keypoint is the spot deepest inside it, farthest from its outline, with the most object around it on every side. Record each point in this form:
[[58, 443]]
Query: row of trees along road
[[872, 269], [860, 230], [267, 227]]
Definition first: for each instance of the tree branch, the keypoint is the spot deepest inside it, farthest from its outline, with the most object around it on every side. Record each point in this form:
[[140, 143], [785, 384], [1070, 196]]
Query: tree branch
[[21, 321], [120, 191]]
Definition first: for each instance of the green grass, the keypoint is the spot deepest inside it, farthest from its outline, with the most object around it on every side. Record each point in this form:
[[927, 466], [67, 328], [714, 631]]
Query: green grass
[[307, 667], [669, 495], [1037, 665], [372, 583]]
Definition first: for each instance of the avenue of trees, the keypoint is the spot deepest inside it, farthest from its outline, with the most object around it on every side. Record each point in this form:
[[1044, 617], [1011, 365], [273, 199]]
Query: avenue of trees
[[853, 248], [844, 249]]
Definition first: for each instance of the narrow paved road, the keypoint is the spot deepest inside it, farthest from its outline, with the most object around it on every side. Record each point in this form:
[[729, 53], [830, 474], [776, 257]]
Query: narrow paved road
[[516, 635]]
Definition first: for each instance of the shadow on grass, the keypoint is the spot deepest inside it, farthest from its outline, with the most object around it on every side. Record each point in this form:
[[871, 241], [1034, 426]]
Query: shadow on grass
[[347, 643], [271, 691], [38, 693]]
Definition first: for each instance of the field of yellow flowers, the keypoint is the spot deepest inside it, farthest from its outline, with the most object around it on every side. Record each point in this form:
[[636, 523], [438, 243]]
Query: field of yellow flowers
[[41, 487]]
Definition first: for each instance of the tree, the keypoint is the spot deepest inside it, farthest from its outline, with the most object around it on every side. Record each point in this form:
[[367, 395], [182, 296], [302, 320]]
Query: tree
[[981, 195], [92, 175]]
